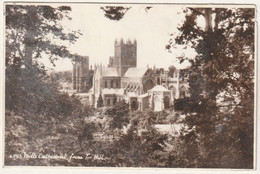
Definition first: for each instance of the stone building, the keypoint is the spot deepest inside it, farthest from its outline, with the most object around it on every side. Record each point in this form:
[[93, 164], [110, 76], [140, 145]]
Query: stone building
[[175, 83], [81, 75], [125, 56], [141, 88], [107, 83], [143, 102], [160, 98], [135, 82], [121, 80]]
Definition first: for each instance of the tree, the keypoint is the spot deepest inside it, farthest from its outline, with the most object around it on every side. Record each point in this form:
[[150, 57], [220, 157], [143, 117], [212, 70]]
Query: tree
[[141, 146], [119, 114], [115, 12], [114, 99], [46, 118], [172, 69], [32, 32], [28, 25], [100, 101], [222, 70]]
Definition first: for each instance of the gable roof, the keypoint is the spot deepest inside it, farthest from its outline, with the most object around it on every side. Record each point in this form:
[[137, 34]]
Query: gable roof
[[143, 95], [118, 91], [135, 72], [159, 88], [109, 72]]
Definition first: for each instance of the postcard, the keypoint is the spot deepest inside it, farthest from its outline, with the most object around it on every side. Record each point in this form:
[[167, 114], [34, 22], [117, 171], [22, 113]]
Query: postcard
[[130, 85]]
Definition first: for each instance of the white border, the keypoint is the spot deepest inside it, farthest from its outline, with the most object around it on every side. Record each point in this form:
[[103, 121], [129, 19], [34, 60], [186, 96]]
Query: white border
[[73, 170]]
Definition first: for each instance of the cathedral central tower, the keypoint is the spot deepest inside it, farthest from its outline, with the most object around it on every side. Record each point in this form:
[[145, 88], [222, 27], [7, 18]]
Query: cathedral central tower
[[125, 56]]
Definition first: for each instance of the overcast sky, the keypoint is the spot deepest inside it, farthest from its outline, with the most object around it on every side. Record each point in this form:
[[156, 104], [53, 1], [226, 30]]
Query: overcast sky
[[151, 29]]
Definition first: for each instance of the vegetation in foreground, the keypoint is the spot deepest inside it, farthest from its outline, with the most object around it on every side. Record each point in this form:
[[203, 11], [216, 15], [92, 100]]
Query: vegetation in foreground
[[43, 121]]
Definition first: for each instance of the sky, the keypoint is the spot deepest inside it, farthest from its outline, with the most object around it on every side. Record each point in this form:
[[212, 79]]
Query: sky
[[151, 29]]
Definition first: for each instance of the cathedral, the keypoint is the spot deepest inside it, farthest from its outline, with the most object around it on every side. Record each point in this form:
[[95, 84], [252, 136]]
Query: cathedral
[[141, 88]]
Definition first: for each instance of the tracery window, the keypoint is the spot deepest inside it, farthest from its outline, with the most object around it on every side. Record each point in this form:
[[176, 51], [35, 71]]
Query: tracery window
[[111, 84]]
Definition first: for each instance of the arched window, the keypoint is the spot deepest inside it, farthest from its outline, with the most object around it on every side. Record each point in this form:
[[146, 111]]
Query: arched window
[[148, 85], [111, 83], [166, 101], [114, 99], [105, 84], [134, 105], [108, 101], [117, 84], [175, 74], [108, 84], [173, 89], [182, 92], [158, 80]]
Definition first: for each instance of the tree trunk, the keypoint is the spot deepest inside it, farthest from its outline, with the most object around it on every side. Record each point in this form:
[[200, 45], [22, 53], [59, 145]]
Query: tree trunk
[[208, 19], [28, 49]]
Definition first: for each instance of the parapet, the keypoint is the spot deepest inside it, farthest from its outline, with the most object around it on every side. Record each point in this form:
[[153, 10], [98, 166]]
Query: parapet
[[125, 42]]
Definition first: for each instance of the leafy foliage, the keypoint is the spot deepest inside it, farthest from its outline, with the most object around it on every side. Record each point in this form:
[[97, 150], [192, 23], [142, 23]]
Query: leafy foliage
[[139, 147], [119, 115], [115, 12], [172, 69], [100, 101], [221, 84], [65, 76], [218, 129], [28, 33], [33, 104]]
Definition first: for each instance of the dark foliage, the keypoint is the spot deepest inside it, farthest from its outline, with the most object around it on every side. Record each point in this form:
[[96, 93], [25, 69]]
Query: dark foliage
[[135, 149], [38, 118], [221, 80], [119, 114], [115, 12], [100, 101]]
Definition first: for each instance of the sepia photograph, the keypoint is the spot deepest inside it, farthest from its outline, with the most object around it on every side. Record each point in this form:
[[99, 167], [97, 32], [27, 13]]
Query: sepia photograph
[[130, 85]]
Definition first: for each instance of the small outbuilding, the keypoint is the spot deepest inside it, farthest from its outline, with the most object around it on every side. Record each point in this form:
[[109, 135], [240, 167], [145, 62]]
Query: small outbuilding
[[160, 98]]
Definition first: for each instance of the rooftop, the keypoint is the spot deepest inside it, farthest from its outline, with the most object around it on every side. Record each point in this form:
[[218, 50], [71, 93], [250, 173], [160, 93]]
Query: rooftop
[[118, 91], [109, 72], [159, 88], [143, 95], [135, 72]]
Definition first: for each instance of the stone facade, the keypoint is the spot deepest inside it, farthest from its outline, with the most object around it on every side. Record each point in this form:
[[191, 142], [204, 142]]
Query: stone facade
[[81, 75], [142, 88], [177, 85], [125, 56], [160, 98]]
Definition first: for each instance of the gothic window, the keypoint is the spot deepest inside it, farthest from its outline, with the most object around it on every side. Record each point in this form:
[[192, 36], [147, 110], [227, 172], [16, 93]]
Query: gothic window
[[114, 84], [166, 101], [173, 89], [108, 84], [131, 87], [182, 92], [111, 84], [134, 105], [158, 80], [108, 101], [148, 85], [117, 84], [114, 99], [105, 84]]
